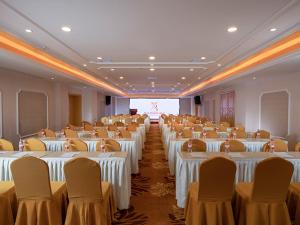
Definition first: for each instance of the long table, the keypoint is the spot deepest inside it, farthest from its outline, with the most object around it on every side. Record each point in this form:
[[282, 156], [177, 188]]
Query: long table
[[187, 170], [127, 145], [212, 145], [115, 169]]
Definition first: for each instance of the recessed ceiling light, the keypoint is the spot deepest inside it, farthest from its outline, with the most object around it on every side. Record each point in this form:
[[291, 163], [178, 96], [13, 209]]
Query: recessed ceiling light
[[100, 58], [127, 83], [112, 69], [131, 85], [105, 78], [219, 65], [178, 83], [121, 78], [199, 78], [273, 29], [52, 78], [151, 57], [84, 65], [133, 89], [152, 69], [183, 78], [28, 30], [66, 29], [254, 78], [203, 57], [151, 64], [232, 29], [192, 69]]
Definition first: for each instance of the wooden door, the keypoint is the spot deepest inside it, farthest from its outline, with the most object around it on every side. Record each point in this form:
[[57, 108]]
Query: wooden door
[[227, 107], [75, 117]]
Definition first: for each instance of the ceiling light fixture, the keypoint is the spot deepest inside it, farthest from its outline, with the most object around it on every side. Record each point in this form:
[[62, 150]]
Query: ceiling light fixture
[[121, 78], [183, 78], [191, 69], [151, 57], [152, 69], [105, 78], [232, 29], [100, 58], [112, 69], [66, 29], [28, 30], [219, 65], [203, 57], [52, 78], [273, 29], [84, 65], [199, 78]]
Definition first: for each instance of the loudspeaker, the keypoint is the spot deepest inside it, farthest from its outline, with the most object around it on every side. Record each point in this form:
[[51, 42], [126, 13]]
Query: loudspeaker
[[197, 100], [107, 100]]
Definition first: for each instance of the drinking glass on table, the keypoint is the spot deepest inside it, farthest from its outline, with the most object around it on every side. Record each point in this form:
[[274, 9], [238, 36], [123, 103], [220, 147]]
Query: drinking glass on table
[[227, 146], [190, 146], [204, 134], [272, 146]]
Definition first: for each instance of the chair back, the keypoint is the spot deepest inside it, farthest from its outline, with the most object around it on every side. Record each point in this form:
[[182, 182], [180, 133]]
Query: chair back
[[234, 146], [119, 124], [211, 134], [83, 179], [125, 134], [216, 179], [240, 126], [115, 146], [222, 128], [112, 128], [187, 133], [101, 133], [198, 128], [78, 145], [88, 127], [131, 127], [279, 146], [239, 134], [70, 133], [34, 144], [140, 120], [297, 147], [48, 133], [225, 124], [272, 178], [209, 124], [99, 124], [31, 178], [263, 134], [197, 146], [6, 145]]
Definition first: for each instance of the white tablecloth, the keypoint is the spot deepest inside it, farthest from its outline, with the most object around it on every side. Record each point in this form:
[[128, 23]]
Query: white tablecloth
[[127, 145], [187, 170], [212, 145], [115, 169]]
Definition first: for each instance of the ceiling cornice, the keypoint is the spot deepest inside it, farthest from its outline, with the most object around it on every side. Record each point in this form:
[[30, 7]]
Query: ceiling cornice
[[280, 48], [17, 46]]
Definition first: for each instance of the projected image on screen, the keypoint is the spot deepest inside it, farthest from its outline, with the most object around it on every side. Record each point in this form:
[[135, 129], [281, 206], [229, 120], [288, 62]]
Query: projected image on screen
[[155, 107]]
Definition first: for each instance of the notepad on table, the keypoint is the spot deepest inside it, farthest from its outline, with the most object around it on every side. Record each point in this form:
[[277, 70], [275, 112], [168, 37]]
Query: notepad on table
[[235, 154], [283, 154], [69, 154], [21, 154], [198, 155], [104, 155]]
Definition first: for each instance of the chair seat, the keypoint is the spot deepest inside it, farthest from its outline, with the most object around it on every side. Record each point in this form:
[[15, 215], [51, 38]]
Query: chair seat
[[8, 203]]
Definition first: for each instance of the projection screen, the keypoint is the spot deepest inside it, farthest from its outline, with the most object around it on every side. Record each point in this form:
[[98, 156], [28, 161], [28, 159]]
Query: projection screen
[[155, 107]]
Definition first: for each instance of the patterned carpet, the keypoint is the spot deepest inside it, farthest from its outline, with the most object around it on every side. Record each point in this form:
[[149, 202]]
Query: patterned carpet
[[153, 190]]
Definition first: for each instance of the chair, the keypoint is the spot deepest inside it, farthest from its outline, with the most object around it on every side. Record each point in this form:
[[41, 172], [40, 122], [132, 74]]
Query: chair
[[112, 128], [70, 133], [209, 200], [293, 202], [222, 128], [211, 134], [140, 120], [78, 145], [101, 133], [279, 146], [125, 134], [209, 124], [239, 126], [34, 144], [92, 203], [99, 124], [88, 127], [131, 127], [119, 124], [197, 145], [114, 145], [187, 133], [234, 146], [297, 147], [239, 134], [263, 134], [198, 128], [40, 202], [225, 124], [48, 133], [8, 203], [263, 201], [6, 145]]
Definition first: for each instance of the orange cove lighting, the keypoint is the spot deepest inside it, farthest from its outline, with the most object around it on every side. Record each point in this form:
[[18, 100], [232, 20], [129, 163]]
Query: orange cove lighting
[[282, 47], [19, 47]]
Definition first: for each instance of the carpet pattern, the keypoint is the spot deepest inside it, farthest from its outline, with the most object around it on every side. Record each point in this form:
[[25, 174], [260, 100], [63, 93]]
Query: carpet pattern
[[153, 190]]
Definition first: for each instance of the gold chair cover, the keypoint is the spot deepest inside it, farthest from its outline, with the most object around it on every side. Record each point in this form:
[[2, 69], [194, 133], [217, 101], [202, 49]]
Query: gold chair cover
[[131, 127], [101, 133], [187, 133], [293, 202], [8, 203], [99, 124], [140, 120], [234, 146], [211, 134], [239, 134], [112, 128], [279, 146], [119, 124], [6, 145], [225, 124], [297, 147], [88, 127], [197, 146], [198, 128], [263, 201], [112, 145], [78, 145], [70, 133], [263, 134], [125, 134], [34, 144], [92, 203], [209, 200], [39, 201]]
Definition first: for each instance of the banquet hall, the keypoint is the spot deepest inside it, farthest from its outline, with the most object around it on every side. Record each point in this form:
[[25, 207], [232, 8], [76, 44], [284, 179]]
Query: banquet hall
[[150, 112]]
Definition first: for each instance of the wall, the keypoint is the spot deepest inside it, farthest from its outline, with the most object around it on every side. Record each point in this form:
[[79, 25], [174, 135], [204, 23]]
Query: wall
[[247, 99], [122, 105], [185, 106], [58, 101]]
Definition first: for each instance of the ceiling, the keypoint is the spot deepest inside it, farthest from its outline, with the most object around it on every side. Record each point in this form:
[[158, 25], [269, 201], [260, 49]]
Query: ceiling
[[125, 33]]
